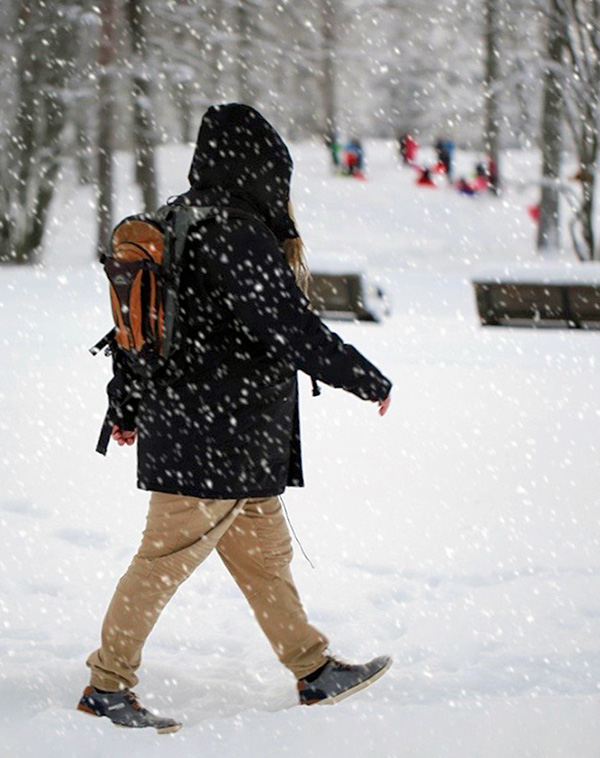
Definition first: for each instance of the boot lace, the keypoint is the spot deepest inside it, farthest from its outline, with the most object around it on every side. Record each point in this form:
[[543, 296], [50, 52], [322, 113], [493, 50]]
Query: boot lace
[[340, 664], [132, 699]]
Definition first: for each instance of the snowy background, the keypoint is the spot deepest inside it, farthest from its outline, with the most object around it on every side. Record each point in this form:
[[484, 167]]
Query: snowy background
[[460, 533]]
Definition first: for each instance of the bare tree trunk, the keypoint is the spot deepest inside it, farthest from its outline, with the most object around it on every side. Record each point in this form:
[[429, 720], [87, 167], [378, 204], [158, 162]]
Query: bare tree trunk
[[216, 51], [24, 144], [85, 173], [184, 101], [182, 76], [581, 95], [32, 155], [591, 141], [588, 156], [143, 122], [551, 144], [522, 96], [83, 110], [55, 110], [492, 90], [244, 32], [183, 98], [328, 35], [107, 59], [36, 180]]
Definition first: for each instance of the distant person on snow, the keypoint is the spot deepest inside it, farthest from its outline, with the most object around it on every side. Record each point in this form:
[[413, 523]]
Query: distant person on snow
[[218, 431], [354, 158], [493, 176], [486, 176], [480, 181], [333, 145], [477, 184], [408, 147], [445, 149], [465, 187], [401, 140]]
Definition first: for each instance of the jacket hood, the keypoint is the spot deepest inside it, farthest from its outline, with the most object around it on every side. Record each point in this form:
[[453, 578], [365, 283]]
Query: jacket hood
[[239, 153]]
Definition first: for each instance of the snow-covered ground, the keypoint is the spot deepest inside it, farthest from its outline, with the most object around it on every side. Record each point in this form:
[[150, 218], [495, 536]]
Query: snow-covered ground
[[460, 533]]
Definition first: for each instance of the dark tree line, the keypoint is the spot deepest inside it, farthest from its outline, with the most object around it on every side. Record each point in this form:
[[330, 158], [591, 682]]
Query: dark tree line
[[82, 78], [42, 53]]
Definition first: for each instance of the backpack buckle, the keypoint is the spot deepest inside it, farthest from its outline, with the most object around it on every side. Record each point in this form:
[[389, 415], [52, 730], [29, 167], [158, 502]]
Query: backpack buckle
[[104, 342]]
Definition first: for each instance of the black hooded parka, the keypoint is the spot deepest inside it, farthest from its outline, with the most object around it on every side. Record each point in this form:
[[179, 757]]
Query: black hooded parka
[[222, 422]]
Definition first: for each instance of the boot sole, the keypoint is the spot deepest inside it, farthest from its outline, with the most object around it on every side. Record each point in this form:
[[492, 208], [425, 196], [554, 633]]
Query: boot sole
[[170, 729], [334, 699], [160, 730]]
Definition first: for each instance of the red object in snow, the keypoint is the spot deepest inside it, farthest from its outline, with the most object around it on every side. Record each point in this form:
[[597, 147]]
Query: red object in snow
[[425, 179], [480, 183], [534, 212], [351, 159]]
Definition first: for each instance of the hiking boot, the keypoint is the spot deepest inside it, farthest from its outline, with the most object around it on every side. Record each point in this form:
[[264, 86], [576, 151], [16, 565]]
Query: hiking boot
[[123, 709], [337, 680]]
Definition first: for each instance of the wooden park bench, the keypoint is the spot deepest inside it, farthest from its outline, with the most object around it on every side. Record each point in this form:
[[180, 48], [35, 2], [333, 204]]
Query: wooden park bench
[[548, 302], [347, 296]]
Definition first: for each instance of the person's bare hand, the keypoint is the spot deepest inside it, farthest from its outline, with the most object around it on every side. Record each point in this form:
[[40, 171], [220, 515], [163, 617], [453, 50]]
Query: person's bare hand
[[384, 405], [122, 437]]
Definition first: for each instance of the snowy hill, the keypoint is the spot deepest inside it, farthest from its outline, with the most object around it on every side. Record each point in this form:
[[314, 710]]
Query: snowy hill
[[460, 533]]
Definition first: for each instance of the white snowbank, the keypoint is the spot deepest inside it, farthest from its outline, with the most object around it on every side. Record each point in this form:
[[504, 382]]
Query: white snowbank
[[540, 272], [460, 533]]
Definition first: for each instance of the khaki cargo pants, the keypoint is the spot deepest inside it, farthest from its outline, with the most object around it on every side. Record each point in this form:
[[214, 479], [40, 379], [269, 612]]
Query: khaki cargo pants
[[251, 537]]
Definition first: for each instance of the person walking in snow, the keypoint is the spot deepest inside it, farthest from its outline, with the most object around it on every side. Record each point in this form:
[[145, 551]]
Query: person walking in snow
[[218, 433]]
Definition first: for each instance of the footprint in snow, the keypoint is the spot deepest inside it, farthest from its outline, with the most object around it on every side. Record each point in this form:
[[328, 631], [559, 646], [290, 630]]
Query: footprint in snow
[[83, 538], [23, 507]]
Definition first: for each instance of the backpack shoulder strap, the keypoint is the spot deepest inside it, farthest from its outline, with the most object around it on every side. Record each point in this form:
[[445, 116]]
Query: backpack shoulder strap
[[239, 213], [105, 432], [177, 217]]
